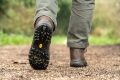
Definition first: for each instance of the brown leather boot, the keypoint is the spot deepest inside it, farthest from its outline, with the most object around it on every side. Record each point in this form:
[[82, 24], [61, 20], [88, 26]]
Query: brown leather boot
[[39, 51], [77, 58]]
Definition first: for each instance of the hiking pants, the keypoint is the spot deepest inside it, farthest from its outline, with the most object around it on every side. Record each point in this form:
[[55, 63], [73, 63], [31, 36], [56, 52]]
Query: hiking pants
[[80, 19]]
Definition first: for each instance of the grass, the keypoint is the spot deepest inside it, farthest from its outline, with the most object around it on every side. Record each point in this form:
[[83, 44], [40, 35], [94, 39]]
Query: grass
[[103, 40], [94, 40], [14, 39], [17, 39], [59, 39]]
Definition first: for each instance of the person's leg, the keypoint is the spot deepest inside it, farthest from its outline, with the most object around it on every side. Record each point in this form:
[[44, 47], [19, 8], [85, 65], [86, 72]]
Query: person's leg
[[44, 23], [47, 8], [79, 28]]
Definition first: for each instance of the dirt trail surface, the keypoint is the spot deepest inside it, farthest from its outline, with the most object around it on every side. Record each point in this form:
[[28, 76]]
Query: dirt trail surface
[[104, 64]]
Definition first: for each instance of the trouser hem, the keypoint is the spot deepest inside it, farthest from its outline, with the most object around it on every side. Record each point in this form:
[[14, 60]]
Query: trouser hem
[[77, 45]]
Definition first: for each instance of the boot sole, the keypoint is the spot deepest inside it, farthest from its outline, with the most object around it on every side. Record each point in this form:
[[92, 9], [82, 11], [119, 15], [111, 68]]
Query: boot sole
[[39, 51]]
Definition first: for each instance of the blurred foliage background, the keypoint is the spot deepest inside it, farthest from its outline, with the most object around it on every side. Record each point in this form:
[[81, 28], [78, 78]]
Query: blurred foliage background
[[16, 18]]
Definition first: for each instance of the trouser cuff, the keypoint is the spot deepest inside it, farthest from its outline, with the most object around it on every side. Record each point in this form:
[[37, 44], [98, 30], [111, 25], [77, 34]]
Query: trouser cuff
[[78, 45]]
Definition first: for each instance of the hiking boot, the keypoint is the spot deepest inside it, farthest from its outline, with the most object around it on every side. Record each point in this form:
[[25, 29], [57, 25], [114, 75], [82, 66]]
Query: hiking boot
[[39, 52], [77, 58]]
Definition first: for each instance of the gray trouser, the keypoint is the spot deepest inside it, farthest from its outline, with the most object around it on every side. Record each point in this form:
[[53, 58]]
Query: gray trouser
[[80, 20]]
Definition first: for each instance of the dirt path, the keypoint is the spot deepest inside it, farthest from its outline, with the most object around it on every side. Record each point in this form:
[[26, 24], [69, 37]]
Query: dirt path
[[104, 64]]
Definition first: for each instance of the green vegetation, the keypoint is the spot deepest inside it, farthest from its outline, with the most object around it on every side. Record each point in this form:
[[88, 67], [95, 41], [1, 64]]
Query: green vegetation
[[14, 39], [18, 39], [103, 40], [94, 40], [59, 39], [16, 22]]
